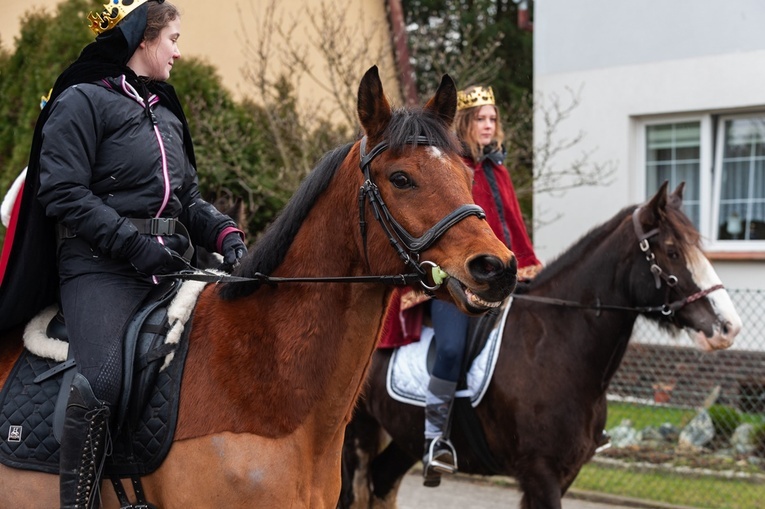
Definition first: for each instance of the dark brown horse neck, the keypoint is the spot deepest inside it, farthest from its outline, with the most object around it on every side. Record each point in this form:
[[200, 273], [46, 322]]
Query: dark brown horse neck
[[595, 271], [267, 363]]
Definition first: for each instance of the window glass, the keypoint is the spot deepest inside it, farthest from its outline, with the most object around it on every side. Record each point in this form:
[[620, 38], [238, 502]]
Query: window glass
[[742, 181], [673, 153]]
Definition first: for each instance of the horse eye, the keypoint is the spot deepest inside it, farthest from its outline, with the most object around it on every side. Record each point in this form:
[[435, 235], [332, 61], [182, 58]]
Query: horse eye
[[673, 253], [401, 180]]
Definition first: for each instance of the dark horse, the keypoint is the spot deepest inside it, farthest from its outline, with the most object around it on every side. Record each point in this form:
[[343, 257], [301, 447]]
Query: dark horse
[[273, 370], [564, 337]]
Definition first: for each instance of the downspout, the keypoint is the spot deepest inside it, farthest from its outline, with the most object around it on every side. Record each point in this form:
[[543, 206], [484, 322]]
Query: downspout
[[401, 52], [524, 18]]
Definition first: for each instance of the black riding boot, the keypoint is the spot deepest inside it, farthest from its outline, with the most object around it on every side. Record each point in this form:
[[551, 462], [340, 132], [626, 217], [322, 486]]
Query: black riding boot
[[440, 456], [83, 444]]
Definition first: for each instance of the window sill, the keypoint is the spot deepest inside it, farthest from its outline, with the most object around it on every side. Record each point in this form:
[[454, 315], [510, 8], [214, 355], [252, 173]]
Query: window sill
[[735, 255]]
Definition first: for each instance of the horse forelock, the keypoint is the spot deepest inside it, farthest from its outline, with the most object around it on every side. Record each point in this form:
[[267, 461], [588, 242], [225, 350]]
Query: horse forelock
[[682, 229], [272, 247], [407, 123]]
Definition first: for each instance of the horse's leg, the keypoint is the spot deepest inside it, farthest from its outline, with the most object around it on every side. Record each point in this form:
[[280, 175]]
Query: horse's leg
[[540, 485], [363, 437], [386, 471]]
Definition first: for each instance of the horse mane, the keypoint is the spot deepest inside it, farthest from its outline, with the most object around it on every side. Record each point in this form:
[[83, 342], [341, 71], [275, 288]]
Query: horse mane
[[269, 252], [580, 249], [676, 222]]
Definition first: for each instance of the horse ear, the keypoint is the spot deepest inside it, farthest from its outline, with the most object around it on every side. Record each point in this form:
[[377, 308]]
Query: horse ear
[[443, 105], [655, 207], [373, 108], [676, 198]]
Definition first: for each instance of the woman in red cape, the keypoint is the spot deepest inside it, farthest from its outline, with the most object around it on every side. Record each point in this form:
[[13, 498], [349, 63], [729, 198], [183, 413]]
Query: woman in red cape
[[478, 127]]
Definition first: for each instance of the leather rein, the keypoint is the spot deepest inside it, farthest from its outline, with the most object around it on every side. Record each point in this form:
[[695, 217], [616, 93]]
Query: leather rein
[[428, 274], [659, 274]]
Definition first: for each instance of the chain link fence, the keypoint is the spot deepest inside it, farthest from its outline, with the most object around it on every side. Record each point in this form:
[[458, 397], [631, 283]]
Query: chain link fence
[[688, 427]]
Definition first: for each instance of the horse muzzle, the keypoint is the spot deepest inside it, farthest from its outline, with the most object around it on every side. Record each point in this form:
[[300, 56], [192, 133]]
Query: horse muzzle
[[493, 281]]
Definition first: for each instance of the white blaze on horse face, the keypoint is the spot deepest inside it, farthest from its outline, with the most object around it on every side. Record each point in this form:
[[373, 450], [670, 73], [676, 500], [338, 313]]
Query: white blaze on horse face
[[436, 152], [728, 323]]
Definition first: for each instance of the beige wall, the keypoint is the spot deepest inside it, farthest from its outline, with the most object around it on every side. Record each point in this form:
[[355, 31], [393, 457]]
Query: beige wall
[[219, 31]]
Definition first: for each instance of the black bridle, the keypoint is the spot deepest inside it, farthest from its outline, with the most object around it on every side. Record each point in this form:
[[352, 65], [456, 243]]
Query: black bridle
[[659, 274], [406, 246]]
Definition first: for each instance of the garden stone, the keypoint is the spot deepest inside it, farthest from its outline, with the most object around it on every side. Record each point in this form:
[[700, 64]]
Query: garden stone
[[742, 439], [624, 435], [650, 436], [651, 433], [669, 432], [698, 433]]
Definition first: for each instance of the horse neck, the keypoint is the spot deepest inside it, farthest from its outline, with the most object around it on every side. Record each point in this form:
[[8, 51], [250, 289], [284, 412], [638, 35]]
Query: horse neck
[[301, 351], [599, 274]]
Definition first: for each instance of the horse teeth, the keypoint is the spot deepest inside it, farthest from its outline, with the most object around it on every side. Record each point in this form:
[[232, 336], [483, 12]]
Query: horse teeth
[[475, 299]]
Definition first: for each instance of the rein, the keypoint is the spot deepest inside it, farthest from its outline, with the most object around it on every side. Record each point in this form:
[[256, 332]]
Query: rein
[[406, 246], [666, 309], [196, 274]]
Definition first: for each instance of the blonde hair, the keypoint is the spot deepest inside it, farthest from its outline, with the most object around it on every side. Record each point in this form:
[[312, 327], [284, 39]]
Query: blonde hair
[[463, 125]]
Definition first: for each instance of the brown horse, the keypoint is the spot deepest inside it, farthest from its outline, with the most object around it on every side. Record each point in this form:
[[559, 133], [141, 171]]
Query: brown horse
[[273, 371], [542, 416]]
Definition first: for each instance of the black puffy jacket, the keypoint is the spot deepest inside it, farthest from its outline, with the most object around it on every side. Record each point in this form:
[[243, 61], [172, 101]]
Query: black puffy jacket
[[104, 160]]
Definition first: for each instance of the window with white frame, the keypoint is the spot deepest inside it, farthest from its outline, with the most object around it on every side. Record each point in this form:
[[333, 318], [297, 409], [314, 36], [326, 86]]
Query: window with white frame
[[724, 184]]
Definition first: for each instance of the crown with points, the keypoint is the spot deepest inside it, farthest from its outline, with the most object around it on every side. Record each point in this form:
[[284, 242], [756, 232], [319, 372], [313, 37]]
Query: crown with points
[[478, 96], [114, 12]]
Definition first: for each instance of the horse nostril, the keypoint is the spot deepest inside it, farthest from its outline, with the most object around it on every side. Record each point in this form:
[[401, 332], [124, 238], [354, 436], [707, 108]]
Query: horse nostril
[[488, 267]]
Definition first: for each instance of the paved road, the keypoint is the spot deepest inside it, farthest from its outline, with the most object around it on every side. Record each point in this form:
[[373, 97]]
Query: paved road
[[464, 493]]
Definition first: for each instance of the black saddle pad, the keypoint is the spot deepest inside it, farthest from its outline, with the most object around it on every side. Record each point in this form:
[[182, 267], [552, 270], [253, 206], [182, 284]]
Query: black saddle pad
[[26, 420]]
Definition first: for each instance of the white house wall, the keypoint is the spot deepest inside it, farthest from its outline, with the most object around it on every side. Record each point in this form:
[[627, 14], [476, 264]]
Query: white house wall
[[627, 61]]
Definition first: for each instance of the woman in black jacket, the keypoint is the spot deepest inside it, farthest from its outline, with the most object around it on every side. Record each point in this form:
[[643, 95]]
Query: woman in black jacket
[[117, 174]]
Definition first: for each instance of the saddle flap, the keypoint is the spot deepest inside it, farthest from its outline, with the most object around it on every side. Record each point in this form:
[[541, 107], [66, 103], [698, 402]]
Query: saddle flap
[[147, 330]]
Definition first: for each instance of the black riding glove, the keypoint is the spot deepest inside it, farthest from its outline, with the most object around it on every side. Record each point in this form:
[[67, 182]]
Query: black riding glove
[[151, 258], [233, 249]]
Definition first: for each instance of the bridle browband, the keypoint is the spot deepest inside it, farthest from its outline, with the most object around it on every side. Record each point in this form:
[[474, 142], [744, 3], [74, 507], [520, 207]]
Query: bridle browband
[[406, 246], [667, 309]]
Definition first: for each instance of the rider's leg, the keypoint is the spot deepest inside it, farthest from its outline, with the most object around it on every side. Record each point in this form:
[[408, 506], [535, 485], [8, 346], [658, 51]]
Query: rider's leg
[[450, 326], [96, 309], [83, 445]]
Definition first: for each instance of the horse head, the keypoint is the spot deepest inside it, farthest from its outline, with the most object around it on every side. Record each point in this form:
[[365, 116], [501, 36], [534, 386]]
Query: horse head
[[412, 157], [694, 298]]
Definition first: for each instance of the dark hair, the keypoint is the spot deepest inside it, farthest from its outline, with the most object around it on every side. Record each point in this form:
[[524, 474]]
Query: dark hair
[[157, 18]]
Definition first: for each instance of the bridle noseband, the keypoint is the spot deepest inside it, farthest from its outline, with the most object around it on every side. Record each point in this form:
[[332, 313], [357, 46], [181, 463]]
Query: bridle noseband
[[407, 246]]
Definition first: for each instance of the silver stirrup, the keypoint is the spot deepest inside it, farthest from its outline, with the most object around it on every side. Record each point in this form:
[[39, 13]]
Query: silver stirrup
[[440, 466]]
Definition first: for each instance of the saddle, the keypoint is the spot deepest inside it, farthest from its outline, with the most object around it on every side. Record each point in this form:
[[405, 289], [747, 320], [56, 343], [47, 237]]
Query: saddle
[[33, 400], [411, 365]]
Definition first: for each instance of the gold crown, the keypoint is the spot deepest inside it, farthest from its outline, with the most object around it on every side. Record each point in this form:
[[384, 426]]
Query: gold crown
[[478, 96], [113, 13]]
